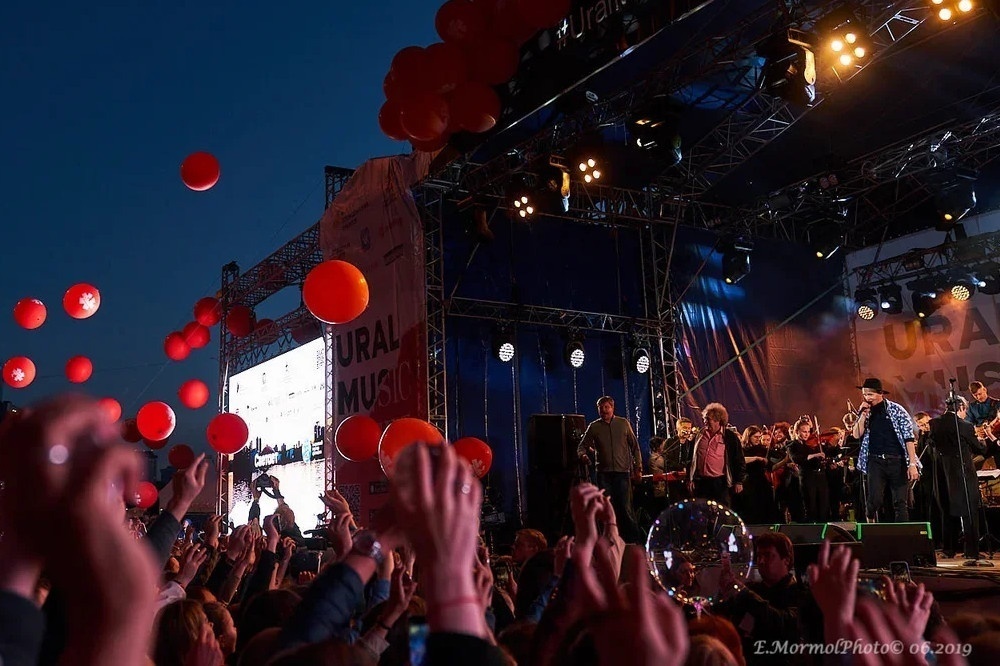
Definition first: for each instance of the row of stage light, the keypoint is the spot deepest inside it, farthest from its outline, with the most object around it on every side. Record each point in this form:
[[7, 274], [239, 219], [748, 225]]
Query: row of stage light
[[928, 295], [574, 354]]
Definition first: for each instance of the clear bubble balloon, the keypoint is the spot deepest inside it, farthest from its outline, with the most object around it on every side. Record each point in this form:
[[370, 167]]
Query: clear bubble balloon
[[689, 545]]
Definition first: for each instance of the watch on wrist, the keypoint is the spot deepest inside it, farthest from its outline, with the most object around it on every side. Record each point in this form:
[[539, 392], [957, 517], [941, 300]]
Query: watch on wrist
[[366, 545]]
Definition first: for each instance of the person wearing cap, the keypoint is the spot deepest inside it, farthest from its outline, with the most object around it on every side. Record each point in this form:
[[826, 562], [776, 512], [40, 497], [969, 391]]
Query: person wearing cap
[[888, 455]]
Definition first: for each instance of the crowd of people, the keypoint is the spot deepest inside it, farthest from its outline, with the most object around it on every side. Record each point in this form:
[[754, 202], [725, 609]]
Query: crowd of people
[[78, 585]]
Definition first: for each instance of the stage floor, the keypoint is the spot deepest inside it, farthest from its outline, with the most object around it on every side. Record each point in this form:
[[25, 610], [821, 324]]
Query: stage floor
[[959, 588]]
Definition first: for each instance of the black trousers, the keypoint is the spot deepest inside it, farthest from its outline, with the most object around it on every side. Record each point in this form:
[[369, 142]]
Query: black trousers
[[712, 488], [887, 471], [619, 489], [816, 494]]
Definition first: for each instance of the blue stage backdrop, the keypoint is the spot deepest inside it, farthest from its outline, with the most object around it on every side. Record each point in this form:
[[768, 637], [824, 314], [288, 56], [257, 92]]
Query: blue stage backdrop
[[804, 367]]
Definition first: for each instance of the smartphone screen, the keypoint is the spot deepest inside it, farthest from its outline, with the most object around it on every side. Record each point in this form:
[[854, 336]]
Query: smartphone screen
[[418, 641]]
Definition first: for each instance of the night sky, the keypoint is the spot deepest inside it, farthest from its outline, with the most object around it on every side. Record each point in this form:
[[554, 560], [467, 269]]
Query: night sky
[[101, 103]]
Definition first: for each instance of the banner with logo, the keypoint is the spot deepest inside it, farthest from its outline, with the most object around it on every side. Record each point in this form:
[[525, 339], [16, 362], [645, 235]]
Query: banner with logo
[[379, 359], [915, 358]]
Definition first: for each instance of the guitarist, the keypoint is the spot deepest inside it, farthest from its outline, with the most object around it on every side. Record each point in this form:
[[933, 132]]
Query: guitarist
[[983, 414]]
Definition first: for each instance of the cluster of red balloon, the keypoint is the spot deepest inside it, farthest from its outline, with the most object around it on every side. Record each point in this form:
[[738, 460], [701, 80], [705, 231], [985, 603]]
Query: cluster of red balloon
[[80, 301], [359, 438], [433, 92]]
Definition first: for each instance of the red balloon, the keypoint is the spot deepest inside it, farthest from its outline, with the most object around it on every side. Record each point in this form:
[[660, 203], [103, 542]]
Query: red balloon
[[193, 394], [506, 22], [389, 120], [79, 369], [130, 431], [401, 433], [19, 372], [200, 171], [409, 71], [112, 409], [541, 14], [430, 146], [357, 437], [155, 420], [267, 331], [227, 433], [493, 61], [30, 313], [155, 444], [478, 454], [180, 456], [81, 301], [240, 321], [207, 311], [145, 495], [475, 107], [307, 332], [460, 21], [196, 335], [176, 347], [335, 292], [424, 116], [446, 66]]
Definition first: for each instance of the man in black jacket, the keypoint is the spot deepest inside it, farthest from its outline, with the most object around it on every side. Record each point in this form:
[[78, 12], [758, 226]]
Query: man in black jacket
[[717, 462], [956, 443]]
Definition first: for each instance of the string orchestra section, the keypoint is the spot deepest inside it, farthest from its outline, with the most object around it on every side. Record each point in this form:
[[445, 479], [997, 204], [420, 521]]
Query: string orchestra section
[[882, 464]]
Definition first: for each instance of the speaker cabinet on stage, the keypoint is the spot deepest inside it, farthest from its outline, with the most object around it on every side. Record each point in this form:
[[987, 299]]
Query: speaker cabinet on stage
[[897, 542], [816, 533], [552, 441]]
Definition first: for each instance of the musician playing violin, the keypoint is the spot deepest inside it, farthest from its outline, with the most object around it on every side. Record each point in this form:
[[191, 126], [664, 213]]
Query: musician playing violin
[[807, 452]]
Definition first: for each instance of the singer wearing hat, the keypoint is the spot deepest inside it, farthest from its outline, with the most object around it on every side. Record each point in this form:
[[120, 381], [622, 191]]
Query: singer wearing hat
[[888, 454]]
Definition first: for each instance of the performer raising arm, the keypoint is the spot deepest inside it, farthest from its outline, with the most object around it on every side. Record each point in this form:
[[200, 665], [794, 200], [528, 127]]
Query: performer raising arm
[[888, 453]]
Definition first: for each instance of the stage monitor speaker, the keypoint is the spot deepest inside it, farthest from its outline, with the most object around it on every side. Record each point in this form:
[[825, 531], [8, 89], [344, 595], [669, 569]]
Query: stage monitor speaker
[[816, 533], [552, 441], [897, 542], [548, 503], [756, 530]]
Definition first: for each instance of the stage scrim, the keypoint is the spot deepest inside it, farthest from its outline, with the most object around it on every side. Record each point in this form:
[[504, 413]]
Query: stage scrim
[[379, 366]]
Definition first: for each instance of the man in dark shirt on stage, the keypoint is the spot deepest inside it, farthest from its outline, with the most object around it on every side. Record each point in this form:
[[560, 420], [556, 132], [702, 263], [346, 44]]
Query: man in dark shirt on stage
[[888, 449], [613, 442], [983, 412]]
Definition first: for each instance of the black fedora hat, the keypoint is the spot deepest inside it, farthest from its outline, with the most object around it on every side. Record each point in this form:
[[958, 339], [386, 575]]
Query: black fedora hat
[[873, 384]]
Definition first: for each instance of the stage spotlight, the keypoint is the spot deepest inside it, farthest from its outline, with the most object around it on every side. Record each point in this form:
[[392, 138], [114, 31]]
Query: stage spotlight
[[891, 299], [655, 126], [867, 303], [826, 238], [588, 170], [503, 346], [962, 291], [965, 6], [574, 354], [845, 37], [735, 265], [789, 69], [523, 207], [954, 201], [641, 360], [925, 303]]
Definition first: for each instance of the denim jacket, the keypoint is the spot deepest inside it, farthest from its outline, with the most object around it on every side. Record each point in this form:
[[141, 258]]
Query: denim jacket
[[901, 423]]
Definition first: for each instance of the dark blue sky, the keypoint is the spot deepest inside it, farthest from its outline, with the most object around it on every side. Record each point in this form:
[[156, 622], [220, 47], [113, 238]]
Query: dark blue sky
[[102, 101]]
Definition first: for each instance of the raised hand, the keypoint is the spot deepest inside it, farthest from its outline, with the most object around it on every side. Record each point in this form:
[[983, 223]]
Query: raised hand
[[213, 528], [193, 556], [339, 533], [564, 551], [833, 582], [913, 601], [186, 484]]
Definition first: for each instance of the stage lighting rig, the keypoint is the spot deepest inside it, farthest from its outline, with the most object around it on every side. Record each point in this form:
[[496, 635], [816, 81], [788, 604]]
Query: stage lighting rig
[[954, 201], [845, 38], [641, 360], [926, 301], [589, 170], [947, 10], [655, 126], [574, 353], [826, 238], [736, 260], [891, 299], [867, 303], [503, 346], [789, 69]]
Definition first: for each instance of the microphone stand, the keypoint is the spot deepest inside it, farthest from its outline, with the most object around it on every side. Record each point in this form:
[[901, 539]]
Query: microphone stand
[[953, 401]]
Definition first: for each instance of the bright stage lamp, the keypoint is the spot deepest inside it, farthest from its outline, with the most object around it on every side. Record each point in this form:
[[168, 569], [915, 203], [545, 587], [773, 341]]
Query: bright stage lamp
[[965, 6], [944, 14], [574, 354], [640, 357], [846, 60]]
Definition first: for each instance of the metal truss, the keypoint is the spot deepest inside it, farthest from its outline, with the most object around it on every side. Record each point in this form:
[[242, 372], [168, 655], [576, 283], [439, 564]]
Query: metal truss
[[967, 253], [329, 411], [538, 315], [657, 249], [430, 207], [873, 190], [700, 58], [230, 273], [762, 118]]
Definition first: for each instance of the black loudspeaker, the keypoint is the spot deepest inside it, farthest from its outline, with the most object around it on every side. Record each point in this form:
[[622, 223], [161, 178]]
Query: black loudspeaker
[[816, 533], [897, 542], [548, 503], [552, 442], [756, 530]]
